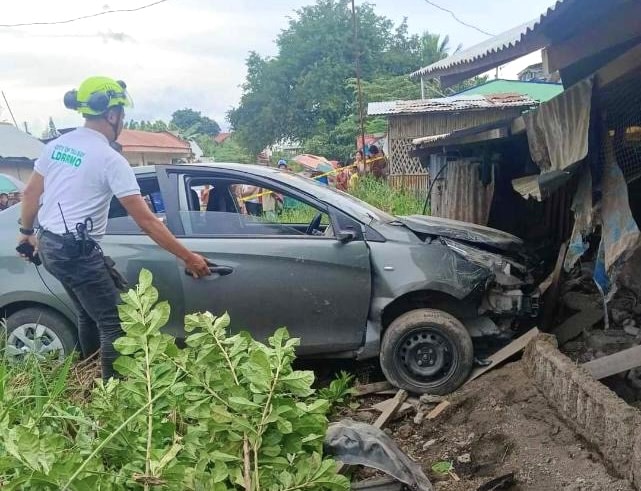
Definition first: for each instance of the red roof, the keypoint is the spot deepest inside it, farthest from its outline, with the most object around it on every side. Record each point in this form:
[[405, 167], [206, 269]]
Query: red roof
[[146, 141], [221, 137]]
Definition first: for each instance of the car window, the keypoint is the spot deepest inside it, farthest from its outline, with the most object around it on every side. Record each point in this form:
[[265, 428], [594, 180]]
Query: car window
[[119, 222], [215, 207]]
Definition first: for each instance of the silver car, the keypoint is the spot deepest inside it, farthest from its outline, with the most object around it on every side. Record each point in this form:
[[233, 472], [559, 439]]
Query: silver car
[[351, 281]]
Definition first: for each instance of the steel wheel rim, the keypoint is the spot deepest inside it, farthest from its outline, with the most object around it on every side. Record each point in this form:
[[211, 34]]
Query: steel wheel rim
[[426, 356], [35, 339]]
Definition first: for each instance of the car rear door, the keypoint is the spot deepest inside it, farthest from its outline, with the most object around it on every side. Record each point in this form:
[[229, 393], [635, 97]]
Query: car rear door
[[273, 275], [132, 250]]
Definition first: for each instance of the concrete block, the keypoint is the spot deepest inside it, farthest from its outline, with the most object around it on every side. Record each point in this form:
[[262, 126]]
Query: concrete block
[[588, 406]]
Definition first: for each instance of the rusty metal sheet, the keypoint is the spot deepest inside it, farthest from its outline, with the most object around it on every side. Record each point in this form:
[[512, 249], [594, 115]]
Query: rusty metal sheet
[[453, 103]]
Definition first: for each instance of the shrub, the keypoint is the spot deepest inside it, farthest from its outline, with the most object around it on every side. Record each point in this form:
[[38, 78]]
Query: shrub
[[225, 412]]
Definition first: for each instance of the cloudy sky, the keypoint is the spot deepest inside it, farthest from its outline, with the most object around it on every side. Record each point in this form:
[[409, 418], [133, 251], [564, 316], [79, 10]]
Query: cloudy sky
[[185, 53]]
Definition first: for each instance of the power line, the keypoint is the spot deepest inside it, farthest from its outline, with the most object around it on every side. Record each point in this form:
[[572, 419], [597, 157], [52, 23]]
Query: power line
[[75, 19], [457, 19]]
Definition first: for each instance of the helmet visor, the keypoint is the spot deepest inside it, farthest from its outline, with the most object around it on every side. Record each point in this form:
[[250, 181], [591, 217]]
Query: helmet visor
[[121, 98]]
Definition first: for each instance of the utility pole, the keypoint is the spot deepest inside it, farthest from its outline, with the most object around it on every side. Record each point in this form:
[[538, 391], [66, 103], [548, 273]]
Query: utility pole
[[357, 55], [9, 108]]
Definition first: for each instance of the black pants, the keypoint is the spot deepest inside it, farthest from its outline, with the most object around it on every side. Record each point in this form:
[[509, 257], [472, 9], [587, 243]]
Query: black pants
[[255, 209], [94, 294]]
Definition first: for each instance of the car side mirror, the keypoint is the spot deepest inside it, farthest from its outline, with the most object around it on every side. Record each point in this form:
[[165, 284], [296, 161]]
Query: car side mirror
[[345, 236]]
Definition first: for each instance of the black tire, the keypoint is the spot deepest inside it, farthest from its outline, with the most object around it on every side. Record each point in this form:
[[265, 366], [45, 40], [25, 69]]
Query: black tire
[[58, 336], [427, 351]]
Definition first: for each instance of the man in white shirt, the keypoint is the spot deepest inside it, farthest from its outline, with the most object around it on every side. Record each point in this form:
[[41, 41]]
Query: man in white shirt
[[75, 178]]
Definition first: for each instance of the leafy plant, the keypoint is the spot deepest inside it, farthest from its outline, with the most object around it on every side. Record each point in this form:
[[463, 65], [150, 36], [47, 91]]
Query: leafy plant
[[339, 390], [225, 412]]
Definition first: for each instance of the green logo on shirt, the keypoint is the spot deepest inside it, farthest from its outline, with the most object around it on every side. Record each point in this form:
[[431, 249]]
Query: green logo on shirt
[[67, 155]]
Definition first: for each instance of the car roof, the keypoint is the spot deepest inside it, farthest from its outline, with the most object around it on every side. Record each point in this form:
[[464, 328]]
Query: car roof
[[254, 169]]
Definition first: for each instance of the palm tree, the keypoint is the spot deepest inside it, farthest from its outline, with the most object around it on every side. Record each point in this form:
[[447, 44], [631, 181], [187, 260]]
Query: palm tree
[[434, 48]]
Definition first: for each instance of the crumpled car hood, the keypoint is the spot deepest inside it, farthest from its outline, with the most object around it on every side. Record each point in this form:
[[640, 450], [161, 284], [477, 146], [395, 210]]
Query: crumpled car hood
[[468, 232]]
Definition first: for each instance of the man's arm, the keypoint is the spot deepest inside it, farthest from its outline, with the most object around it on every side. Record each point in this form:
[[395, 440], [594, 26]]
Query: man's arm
[[31, 199], [147, 221], [30, 204]]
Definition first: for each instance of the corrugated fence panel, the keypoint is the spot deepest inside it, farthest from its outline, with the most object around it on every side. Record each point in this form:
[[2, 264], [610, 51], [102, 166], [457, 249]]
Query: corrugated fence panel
[[462, 195]]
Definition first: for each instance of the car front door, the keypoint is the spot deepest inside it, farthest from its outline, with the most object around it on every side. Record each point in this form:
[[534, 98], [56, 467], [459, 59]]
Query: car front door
[[270, 272]]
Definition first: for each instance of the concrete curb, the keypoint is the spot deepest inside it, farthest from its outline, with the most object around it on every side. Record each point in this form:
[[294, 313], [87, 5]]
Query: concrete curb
[[588, 406]]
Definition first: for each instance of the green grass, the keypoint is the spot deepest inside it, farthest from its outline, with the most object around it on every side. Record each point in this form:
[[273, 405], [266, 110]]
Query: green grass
[[383, 196]]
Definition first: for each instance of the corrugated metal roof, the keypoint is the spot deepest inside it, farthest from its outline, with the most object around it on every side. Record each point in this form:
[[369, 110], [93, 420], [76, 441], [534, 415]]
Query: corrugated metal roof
[[505, 47], [504, 40], [451, 104], [16, 144]]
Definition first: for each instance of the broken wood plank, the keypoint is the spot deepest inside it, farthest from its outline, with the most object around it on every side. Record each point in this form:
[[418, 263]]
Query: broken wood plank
[[618, 362], [436, 412], [395, 403], [379, 484], [574, 325], [504, 353], [402, 411], [363, 390]]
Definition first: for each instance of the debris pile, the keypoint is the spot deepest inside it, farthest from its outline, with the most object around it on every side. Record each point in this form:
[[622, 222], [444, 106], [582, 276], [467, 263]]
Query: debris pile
[[596, 334]]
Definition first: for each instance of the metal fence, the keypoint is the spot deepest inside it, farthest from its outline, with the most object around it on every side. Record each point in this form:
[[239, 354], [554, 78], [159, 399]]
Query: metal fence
[[621, 107]]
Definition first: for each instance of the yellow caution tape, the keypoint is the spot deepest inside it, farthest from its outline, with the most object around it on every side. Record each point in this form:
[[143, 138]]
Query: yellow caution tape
[[333, 171]]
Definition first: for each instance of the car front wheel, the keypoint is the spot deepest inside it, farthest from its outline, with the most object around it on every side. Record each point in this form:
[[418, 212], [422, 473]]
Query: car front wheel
[[427, 351], [40, 332]]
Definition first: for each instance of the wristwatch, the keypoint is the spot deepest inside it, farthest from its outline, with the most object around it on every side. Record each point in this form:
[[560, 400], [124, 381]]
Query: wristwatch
[[26, 231]]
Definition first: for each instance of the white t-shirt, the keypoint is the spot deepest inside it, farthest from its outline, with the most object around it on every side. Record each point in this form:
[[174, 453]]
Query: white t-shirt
[[82, 173]]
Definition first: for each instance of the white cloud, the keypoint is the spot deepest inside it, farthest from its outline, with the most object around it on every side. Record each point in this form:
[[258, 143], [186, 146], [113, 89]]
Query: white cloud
[[182, 53]]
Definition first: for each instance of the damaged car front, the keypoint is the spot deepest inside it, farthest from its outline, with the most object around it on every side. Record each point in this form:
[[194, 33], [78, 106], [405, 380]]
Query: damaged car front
[[447, 294]]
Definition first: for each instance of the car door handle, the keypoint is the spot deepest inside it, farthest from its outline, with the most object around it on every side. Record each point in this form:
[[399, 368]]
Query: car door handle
[[221, 270], [215, 269]]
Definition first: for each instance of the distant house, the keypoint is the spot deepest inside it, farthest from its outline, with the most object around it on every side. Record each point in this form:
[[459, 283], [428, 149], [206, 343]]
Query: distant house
[[147, 148], [220, 138], [408, 120], [536, 73], [18, 152]]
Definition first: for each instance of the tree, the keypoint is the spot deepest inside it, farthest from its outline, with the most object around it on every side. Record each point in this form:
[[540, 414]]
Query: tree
[[306, 92], [434, 48], [301, 91], [191, 123]]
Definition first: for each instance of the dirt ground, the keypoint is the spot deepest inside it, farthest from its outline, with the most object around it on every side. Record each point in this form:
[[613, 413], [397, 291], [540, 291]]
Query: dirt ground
[[496, 425]]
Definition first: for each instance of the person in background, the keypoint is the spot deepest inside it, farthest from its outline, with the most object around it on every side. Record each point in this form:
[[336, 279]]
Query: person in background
[[353, 179], [377, 162], [359, 161], [282, 165], [204, 196], [4, 201], [342, 178], [252, 199]]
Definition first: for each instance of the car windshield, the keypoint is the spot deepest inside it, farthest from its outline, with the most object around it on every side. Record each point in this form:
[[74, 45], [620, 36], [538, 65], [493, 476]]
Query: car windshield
[[341, 200]]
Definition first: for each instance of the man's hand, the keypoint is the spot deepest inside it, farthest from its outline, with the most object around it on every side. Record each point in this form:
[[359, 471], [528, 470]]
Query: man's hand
[[27, 248], [28, 239], [197, 265]]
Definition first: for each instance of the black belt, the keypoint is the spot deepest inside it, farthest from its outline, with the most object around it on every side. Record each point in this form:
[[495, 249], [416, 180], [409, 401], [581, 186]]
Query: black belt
[[73, 246]]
